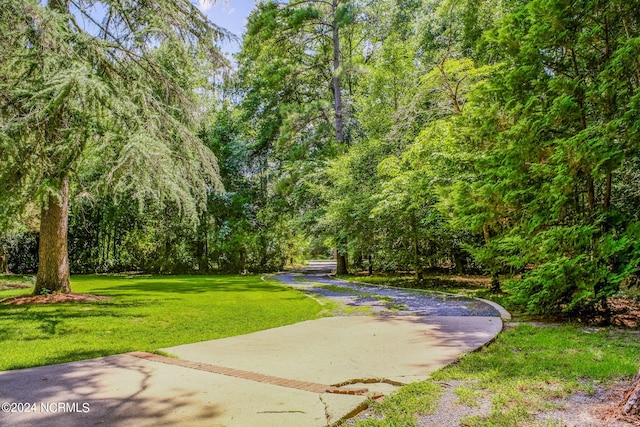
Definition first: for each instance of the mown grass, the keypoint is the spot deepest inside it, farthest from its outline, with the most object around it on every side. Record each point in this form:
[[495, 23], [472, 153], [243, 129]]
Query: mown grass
[[144, 314], [341, 290], [523, 373]]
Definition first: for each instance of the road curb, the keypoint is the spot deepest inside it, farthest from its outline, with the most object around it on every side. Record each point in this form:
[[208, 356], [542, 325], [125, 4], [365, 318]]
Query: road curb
[[504, 314]]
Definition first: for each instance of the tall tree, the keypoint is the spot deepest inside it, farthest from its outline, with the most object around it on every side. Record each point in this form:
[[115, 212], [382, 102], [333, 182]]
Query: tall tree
[[334, 24], [291, 71], [104, 85], [330, 16]]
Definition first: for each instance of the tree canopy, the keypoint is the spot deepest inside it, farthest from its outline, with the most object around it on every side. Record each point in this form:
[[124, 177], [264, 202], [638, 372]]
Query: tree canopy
[[101, 101], [496, 137]]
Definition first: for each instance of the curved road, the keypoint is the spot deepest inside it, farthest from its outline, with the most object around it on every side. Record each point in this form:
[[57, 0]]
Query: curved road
[[382, 300]]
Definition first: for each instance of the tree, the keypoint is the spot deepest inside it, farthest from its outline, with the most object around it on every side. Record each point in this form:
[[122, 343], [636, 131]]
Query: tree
[[556, 131], [111, 91], [353, 179], [290, 74], [4, 265], [331, 15], [381, 81]]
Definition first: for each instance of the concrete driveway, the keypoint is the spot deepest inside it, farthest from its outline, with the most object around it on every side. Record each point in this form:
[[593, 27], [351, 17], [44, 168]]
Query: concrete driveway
[[313, 373]]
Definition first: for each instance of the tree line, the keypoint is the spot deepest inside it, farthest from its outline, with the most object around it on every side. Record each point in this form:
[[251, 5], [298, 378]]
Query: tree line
[[496, 137]]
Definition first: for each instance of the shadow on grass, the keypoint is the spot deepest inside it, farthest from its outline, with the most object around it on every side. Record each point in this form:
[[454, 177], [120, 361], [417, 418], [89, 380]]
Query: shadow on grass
[[182, 285], [46, 319]]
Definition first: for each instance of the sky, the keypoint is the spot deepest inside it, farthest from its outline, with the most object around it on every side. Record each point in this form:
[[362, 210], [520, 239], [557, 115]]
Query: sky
[[230, 15]]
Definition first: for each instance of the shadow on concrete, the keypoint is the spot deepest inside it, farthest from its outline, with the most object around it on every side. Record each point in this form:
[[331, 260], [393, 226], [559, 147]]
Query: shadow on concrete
[[117, 390]]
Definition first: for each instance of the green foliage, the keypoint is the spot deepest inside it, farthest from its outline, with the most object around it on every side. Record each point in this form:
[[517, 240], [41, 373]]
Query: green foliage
[[500, 135], [110, 105], [73, 103], [385, 190], [236, 231], [108, 236], [555, 136], [286, 76]]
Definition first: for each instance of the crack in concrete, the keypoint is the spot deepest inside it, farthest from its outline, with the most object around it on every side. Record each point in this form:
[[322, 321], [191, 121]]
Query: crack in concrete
[[327, 415], [361, 407], [369, 381]]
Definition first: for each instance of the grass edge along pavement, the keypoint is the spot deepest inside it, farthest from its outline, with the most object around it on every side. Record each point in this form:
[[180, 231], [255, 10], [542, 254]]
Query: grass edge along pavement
[[525, 371], [144, 314]]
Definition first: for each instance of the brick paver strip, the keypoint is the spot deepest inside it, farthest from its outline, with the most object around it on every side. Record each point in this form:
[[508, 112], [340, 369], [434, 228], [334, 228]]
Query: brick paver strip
[[251, 376]]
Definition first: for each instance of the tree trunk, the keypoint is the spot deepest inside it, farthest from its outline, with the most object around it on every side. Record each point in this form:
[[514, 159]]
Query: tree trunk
[[337, 89], [496, 287], [632, 399], [341, 261], [53, 258], [4, 262], [458, 260], [341, 264], [341, 267]]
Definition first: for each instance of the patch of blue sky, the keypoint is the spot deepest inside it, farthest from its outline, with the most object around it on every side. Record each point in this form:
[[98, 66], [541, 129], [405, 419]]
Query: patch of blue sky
[[231, 15]]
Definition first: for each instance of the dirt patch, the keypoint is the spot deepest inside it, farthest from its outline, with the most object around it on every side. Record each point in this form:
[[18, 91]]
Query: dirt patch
[[578, 410], [596, 410], [53, 299], [451, 412]]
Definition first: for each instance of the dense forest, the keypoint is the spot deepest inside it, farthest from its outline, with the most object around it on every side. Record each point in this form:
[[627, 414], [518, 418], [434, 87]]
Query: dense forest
[[496, 137]]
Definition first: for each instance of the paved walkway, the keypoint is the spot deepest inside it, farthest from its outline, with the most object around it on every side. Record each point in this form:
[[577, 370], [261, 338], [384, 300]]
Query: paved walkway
[[313, 373]]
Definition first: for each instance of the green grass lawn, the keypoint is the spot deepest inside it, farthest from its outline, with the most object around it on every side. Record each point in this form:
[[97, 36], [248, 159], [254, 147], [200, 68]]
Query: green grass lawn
[[143, 314]]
